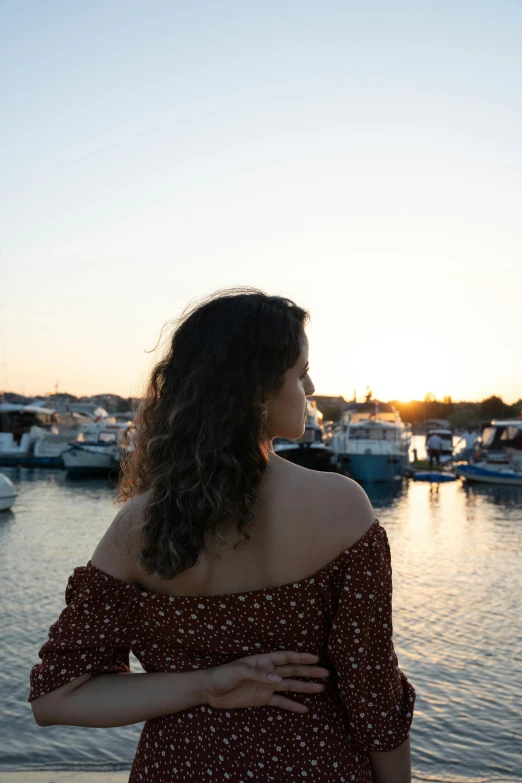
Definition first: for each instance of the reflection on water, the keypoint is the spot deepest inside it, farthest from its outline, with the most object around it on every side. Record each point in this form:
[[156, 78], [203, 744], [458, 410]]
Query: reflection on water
[[456, 553], [497, 495], [386, 494]]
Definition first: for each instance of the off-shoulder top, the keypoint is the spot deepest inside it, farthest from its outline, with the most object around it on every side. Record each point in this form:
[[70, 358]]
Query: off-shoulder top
[[342, 613]]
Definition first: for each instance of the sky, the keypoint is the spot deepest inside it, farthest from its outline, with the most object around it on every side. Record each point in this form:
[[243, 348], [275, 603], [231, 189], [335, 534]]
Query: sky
[[363, 159]]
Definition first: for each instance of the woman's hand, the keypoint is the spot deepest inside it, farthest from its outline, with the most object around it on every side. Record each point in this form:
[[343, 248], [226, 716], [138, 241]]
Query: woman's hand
[[254, 681]]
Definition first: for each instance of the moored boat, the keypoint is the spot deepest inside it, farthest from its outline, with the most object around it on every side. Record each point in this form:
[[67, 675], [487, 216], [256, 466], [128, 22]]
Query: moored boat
[[500, 441], [98, 448], [29, 436], [489, 473], [433, 476], [7, 493], [499, 457], [310, 451], [372, 442]]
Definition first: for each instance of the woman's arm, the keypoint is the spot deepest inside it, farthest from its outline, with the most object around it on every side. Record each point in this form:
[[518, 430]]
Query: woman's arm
[[119, 699], [393, 766]]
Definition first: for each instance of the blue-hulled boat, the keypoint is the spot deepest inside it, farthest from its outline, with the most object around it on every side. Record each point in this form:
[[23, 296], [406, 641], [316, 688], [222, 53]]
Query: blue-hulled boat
[[499, 455], [489, 473], [372, 443], [433, 476]]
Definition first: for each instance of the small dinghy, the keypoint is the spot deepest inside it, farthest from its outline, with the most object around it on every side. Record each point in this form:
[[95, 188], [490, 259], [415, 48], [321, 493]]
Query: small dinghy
[[432, 475], [7, 493], [490, 473]]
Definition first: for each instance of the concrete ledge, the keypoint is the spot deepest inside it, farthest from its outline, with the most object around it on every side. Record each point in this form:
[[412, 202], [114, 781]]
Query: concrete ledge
[[64, 777], [80, 777]]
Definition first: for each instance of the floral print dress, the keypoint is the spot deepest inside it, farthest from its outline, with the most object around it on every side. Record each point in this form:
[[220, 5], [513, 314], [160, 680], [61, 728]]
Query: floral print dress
[[342, 613]]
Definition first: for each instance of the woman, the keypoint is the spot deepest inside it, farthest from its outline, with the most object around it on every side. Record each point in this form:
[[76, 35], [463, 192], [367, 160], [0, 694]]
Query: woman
[[239, 580]]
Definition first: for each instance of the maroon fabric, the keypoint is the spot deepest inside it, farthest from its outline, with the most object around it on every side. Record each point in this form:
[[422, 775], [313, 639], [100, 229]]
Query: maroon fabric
[[343, 613]]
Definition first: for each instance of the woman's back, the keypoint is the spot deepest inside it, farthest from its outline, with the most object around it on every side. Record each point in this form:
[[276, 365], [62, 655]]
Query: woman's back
[[339, 610], [302, 520]]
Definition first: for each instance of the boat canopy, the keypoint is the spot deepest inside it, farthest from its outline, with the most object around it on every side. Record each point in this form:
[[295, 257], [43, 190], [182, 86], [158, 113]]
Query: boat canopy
[[371, 410], [103, 434], [18, 419], [502, 434], [15, 407]]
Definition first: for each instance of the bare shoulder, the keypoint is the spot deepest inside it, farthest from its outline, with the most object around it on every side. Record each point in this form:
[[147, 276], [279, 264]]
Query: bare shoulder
[[337, 509], [115, 553], [350, 512]]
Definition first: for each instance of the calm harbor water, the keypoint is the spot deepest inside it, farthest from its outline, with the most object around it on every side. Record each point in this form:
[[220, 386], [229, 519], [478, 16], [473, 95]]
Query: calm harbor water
[[457, 559]]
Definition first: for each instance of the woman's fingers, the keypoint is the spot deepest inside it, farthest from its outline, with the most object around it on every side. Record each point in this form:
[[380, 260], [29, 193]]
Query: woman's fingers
[[244, 672], [297, 670], [287, 704], [279, 683], [297, 686]]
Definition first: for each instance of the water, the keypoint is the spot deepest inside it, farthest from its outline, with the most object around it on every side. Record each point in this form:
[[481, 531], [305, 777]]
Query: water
[[457, 621]]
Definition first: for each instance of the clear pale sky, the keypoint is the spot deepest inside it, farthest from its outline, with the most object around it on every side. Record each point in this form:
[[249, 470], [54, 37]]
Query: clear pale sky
[[364, 159]]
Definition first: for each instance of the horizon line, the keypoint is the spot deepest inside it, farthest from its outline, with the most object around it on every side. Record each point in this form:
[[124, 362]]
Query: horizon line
[[332, 396]]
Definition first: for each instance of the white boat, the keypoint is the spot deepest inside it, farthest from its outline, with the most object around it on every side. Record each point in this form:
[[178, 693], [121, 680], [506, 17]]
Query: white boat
[[499, 457], [29, 436], [98, 448], [500, 436], [310, 450], [7, 493], [372, 442]]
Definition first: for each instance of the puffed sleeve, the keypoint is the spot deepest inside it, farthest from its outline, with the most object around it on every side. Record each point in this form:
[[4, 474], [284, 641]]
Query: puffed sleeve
[[92, 634], [377, 697]]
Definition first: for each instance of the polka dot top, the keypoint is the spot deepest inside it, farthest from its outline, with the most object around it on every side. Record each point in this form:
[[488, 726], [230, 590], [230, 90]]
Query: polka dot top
[[342, 613]]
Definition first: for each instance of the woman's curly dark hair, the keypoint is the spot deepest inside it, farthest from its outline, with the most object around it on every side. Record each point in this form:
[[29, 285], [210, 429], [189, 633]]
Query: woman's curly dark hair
[[201, 444]]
